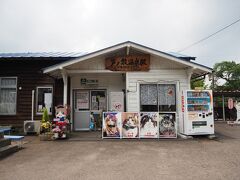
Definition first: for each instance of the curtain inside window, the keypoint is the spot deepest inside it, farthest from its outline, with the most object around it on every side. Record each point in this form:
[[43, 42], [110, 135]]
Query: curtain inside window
[[148, 94], [166, 94]]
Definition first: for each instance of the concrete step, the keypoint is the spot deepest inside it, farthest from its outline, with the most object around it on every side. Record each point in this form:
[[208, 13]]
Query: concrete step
[[7, 150], [5, 142]]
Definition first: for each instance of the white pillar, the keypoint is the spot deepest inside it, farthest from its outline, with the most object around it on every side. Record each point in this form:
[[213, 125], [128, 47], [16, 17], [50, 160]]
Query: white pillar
[[65, 85], [189, 75]]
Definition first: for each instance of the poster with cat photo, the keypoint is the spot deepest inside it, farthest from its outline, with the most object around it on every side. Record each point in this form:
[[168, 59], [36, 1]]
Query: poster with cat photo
[[111, 127], [130, 125], [167, 125], [149, 125]]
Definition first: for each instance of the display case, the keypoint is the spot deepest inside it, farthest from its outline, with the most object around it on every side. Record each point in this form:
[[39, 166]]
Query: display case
[[197, 113]]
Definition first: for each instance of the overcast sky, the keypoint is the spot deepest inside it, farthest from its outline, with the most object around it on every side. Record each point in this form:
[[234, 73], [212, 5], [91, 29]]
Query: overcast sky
[[85, 26]]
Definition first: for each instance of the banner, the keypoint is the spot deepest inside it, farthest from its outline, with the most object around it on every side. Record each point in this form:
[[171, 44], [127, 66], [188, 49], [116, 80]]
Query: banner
[[130, 125], [111, 125], [167, 125], [149, 125]]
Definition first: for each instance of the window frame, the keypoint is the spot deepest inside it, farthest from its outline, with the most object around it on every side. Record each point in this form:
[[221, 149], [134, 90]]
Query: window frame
[[36, 103], [11, 87], [160, 83]]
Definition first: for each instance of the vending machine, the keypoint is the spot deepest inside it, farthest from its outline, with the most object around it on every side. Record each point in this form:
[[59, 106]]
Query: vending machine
[[197, 113]]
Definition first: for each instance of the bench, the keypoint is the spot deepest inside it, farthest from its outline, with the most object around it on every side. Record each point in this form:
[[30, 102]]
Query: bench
[[18, 139], [5, 130]]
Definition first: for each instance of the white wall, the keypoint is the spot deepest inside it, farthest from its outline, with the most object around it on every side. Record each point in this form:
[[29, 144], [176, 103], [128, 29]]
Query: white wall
[[111, 82], [161, 70], [133, 79]]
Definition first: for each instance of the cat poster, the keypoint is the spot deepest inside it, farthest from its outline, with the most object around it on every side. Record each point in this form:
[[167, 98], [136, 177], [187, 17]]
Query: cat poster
[[167, 125], [149, 125], [111, 127], [130, 125]]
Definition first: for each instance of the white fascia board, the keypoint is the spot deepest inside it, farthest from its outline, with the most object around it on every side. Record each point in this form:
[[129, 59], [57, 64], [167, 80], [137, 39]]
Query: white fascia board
[[151, 51], [85, 57], [127, 44]]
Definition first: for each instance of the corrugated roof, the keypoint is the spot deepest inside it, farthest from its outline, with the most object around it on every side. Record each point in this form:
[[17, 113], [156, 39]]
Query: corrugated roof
[[42, 54]]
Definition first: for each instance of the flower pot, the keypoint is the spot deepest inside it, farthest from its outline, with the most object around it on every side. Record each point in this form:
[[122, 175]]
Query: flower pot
[[46, 136]]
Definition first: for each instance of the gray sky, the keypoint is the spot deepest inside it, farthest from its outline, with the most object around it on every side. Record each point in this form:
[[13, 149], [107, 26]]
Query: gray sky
[[85, 26]]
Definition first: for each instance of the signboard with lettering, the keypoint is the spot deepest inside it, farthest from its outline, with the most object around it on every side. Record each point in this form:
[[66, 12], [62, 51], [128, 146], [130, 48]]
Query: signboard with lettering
[[85, 81], [128, 63]]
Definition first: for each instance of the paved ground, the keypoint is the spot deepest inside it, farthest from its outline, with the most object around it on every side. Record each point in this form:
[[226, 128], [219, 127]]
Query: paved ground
[[199, 158]]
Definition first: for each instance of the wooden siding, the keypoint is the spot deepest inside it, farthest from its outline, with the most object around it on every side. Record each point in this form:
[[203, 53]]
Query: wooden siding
[[29, 77]]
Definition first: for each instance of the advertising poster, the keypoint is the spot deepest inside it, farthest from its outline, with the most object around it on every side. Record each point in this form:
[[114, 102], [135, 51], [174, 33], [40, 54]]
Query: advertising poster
[[149, 125], [111, 127], [116, 101], [167, 125], [82, 100], [130, 125]]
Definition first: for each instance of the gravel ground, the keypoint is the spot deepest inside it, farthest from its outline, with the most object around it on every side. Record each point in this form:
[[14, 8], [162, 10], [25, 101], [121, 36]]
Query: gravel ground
[[198, 158]]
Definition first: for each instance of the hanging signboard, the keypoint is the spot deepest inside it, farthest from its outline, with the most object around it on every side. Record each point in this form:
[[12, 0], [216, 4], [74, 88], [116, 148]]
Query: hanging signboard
[[130, 125], [149, 125], [116, 101], [128, 63], [167, 125], [111, 125]]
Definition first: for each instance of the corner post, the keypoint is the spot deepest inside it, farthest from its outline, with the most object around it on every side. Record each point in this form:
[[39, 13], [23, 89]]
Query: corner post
[[65, 85]]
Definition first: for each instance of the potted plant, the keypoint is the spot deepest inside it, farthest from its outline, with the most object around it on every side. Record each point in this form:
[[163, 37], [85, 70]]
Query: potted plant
[[46, 126]]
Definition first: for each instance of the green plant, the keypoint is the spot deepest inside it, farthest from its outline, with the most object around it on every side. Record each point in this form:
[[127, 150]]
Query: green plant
[[45, 124], [45, 116]]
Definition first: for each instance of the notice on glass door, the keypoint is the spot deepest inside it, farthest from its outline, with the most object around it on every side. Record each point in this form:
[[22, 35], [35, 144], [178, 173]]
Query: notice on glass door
[[82, 100]]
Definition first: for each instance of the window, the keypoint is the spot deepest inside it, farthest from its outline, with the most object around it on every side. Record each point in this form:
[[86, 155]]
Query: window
[[158, 97], [167, 97], [149, 97], [8, 97], [44, 99]]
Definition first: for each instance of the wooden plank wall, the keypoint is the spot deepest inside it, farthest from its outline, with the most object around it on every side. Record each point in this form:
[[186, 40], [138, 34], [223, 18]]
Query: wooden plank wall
[[29, 75]]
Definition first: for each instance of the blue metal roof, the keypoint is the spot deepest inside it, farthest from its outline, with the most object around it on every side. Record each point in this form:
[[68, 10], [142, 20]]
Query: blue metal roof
[[182, 56], [42, 54]]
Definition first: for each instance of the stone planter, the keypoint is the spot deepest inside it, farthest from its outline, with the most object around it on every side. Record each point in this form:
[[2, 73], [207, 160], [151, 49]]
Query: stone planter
[[46, 136]]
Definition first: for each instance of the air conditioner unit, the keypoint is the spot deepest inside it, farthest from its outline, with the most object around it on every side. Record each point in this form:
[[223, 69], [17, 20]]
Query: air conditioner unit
[[32, 127]]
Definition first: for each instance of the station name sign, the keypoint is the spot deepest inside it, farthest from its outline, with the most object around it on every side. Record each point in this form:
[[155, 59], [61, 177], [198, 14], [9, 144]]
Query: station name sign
[[128, 63]]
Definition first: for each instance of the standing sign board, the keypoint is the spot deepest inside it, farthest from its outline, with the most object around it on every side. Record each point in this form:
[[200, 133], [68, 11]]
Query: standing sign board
[[130, 125], [167, 125], [111, 125], [149, 125], [116, 101]]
